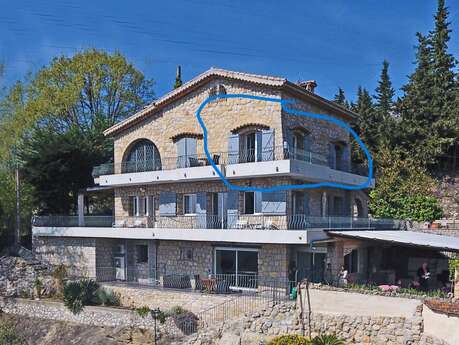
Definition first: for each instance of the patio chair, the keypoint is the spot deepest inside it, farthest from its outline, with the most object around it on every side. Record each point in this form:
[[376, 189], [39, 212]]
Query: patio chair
[[194, 162], [216, 159]]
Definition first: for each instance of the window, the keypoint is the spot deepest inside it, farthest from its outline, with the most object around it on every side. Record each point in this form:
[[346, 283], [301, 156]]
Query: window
[[249, 147], [338, 206], [189, 204], [249, 202], [298, 146], [186, 253], [141, 253], [143, 156], [134, 206]]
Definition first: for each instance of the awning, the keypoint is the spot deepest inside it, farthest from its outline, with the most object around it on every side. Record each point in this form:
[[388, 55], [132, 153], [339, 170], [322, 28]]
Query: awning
[[408, 238]]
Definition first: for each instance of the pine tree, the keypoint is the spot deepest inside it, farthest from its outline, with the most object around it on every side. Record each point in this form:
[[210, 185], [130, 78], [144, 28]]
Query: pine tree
[[364, 125], [443, 105], [340, 98], [415, 137], [385, 93]]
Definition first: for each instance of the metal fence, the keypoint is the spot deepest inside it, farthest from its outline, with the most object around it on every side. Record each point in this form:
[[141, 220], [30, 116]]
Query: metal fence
[[233, 221], [242, 156]]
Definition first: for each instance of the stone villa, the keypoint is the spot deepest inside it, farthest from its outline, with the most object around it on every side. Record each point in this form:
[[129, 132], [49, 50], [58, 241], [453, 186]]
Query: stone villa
[[175, 217]]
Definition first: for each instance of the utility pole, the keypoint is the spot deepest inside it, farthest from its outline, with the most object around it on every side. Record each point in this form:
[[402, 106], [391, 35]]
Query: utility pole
[[17, 235]]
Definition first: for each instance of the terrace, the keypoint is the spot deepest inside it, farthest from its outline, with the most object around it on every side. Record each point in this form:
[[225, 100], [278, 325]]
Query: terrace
[[277, 161]]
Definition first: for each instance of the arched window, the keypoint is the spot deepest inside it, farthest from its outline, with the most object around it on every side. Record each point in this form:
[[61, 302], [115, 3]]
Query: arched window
[[143, 156]]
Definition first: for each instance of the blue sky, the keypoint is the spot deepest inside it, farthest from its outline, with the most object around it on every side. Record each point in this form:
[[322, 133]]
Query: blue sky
[[337, 42]]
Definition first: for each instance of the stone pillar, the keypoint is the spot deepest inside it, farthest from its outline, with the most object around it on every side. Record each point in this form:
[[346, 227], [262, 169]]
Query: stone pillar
[[80, 209], [335, 257]]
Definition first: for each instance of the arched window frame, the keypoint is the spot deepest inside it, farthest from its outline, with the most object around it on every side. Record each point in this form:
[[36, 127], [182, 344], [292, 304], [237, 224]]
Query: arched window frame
[[142, 155]]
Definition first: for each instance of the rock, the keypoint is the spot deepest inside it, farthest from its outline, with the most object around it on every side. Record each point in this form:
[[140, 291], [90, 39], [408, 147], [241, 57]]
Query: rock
[[229, 339]]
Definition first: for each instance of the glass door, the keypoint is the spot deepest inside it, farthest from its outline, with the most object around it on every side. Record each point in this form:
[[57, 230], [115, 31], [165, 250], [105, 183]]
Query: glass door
[[238, 267]]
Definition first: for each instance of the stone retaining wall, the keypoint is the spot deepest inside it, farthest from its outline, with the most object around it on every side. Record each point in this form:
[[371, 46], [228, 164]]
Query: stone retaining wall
[[91, 315]]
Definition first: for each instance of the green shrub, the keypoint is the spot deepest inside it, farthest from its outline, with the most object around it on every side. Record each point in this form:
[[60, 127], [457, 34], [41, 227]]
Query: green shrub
[[8, 335], [290, 339], [77, 294], [107, 297], [143, 312], [327, 340]]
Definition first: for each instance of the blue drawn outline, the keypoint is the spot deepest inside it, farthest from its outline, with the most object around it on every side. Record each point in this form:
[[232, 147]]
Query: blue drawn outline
[[295, 112]]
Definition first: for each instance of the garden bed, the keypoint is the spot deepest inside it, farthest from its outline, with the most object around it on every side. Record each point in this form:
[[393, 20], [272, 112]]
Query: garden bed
[[375, 290], [441, 306]]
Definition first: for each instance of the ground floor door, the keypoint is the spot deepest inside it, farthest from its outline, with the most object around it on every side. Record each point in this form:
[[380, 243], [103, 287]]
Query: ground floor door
[[311, 266], [238, 266]]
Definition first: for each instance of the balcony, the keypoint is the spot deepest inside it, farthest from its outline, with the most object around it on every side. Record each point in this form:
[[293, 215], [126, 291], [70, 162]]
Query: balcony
[[230, 222], [277, 161]]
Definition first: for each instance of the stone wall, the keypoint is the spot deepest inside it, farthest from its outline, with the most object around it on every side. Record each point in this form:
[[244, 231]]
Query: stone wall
[[93, 316], [273, 260], [77, 253], [171, 257]]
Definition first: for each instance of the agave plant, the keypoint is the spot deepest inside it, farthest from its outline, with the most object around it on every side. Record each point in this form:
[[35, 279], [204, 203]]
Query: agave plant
[[327, 339]]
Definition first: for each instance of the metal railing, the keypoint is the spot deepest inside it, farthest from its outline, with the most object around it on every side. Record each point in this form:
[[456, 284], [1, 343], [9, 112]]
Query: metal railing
[[72, 221], [230, 221], [195, 160]]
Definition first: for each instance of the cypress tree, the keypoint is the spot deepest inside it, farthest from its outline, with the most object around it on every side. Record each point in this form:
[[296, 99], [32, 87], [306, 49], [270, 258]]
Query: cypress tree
[[384, 107], [364, 126]]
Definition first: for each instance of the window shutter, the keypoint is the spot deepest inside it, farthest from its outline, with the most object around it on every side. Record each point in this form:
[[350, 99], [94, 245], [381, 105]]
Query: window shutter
[[274, 202], [167, 204], [306, 203], [307, 148], [181, 153], [258, 202], [288, 150], [267, 143], [331, 156], [258, 146], [201, 210], [233, 149], [232, 208], [191, 147]]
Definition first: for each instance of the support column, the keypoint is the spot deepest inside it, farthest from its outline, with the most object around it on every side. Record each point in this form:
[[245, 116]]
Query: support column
[[335, 257], [324, 204], [80, 209]]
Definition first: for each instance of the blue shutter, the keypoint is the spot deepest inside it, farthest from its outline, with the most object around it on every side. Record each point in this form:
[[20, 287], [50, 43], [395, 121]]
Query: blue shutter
[[267, 143], [258, 146], [332, 156], [274, 202], [232, 208], [181, 153], [167, 204], [307, 148], [233, 149], [191, 148], [258, 202], [288, 152]]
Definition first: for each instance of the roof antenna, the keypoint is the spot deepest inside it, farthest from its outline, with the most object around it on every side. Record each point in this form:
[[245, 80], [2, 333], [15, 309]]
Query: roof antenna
[[178, 77]]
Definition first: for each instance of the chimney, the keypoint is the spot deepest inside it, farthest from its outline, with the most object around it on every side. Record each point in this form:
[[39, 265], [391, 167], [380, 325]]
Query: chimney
[[309, 85], [178, 77]]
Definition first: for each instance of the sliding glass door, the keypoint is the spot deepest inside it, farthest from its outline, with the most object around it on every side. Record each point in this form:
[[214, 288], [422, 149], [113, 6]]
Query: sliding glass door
[[237, 266]]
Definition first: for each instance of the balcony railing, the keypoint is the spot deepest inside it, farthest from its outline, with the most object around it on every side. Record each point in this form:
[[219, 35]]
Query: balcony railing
[[243, 156], [235, 222]]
